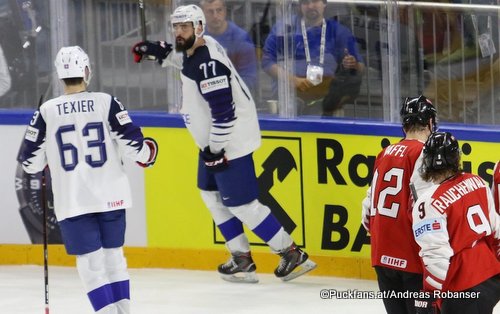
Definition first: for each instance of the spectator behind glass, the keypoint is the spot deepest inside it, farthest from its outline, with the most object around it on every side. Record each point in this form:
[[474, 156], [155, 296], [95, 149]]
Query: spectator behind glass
[[312, 75], [4, 74], [239, 47], [462, 59]]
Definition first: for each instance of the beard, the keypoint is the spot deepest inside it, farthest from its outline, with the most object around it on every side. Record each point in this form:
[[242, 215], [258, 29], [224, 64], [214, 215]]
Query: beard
[[182, 44]]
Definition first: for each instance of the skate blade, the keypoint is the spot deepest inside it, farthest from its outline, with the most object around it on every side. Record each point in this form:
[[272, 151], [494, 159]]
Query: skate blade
[[303, 268], [242, 278]]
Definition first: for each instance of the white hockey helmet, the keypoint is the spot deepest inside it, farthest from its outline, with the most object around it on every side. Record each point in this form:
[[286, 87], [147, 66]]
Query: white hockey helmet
[[72, 62], [189, 13]]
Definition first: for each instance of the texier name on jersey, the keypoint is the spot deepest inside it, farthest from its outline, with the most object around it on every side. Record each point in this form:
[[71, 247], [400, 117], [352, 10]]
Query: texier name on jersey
[[75, 106], [396, 150]]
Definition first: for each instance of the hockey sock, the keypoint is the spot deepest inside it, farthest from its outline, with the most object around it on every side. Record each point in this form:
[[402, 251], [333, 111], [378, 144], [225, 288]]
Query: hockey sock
[[264, 224], [229, 225], [119, 279], [92, 272]]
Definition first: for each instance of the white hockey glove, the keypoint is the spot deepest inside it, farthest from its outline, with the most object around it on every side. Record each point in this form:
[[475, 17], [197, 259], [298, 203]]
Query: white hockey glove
[[153, 148]]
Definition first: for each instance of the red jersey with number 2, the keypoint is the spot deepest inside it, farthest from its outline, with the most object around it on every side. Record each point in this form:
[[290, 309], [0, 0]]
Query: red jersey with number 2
[[388, 200]]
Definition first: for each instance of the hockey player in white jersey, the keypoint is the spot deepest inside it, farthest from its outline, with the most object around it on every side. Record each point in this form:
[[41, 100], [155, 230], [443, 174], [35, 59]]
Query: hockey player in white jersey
[[82, 136], [220, 114]]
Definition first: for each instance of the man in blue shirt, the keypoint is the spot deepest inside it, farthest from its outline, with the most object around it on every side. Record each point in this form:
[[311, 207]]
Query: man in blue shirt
[[239, 47], [322, 49]]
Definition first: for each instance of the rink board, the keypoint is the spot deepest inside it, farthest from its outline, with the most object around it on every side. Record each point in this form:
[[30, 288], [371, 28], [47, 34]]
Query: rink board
[[320, 176], [313, 175]]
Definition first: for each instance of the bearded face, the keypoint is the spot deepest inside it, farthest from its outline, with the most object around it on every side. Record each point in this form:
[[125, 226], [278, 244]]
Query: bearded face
[[183, 44], [184, 36]]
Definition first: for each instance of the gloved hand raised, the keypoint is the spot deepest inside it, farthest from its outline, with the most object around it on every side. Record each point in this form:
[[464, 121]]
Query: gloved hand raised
[[214, 162], [158, 49], [153, 148]]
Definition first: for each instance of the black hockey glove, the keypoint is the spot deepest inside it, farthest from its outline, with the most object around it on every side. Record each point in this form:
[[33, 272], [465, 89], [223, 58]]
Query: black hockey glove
[[153, 148], [425, 305], [158, 49], [214, 162]]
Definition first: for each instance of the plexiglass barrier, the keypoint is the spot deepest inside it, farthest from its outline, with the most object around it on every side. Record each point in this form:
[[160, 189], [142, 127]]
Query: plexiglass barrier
[[446, 50]]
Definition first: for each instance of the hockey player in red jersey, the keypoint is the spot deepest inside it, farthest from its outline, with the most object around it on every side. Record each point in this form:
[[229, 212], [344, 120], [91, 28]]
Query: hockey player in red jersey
[[495, 187], [386, 208], [453, 222]]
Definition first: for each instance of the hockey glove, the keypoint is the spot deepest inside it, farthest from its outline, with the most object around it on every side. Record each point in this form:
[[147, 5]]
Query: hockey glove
[[425, 305], [158, 49], [214, 162], [153, 148]]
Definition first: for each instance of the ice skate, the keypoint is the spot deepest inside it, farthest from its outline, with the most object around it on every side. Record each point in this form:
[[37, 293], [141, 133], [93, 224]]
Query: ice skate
[[294, 263], [239, 268]]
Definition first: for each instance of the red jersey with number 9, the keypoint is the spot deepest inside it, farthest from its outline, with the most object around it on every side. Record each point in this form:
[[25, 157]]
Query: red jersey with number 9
[[453, 223]]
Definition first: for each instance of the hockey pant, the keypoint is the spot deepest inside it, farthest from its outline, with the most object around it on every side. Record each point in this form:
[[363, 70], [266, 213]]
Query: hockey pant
[[105, 278], [256, 216], [395, 280]]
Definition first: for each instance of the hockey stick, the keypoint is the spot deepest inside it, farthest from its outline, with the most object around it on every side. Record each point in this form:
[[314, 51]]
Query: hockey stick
[[144, 30], [142, 12], [413, 192], [45, 243], [45, 231]]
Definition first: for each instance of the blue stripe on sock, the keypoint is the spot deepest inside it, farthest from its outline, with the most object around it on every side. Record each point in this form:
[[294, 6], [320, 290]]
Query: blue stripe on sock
[[100, 297], [268, 228], [121, 290], [231, 229]]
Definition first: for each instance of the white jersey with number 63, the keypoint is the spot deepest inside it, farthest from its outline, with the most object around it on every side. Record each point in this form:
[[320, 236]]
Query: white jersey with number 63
[[82, 137]]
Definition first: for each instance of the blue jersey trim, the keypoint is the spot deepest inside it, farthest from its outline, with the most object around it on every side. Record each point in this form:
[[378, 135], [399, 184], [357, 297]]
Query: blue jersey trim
[[480, 133]]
